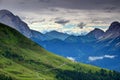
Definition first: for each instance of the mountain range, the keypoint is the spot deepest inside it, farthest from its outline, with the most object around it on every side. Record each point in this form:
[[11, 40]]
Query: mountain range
[[94, 45], [98, 48], [23, 59]]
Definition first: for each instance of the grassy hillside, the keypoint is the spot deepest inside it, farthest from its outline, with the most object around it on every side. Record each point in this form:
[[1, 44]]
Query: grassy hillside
[[22, 59]]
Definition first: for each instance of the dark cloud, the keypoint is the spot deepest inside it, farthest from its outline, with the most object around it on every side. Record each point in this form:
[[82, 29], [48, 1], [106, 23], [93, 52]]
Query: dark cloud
[[44, 1], [71, 4], [54, 10], [37, 21], [85, 4], [62, 21], [0, 1], [110, 9], [22, 2], [81, 25], [68, 10]]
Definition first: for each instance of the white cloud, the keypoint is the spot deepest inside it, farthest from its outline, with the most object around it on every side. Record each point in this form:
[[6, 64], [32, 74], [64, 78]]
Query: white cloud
[[71, 58], [47, 25], [110, 56], [91, 58], [74, 16], [94, 58]]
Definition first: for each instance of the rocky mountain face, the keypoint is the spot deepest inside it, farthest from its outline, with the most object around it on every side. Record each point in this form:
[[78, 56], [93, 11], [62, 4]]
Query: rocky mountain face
[[37, 35], [113, 31], [6, 17], [96, 33]]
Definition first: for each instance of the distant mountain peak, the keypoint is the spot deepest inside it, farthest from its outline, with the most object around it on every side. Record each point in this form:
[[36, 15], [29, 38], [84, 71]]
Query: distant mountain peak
[[58, 35], [96, 33], [114, 25], [8, 18], [98, 29], [5, 12], [54, 31], [113, 31]]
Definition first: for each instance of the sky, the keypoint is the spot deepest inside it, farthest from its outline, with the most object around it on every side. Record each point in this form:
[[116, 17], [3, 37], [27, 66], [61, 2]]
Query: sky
[[68, 16]]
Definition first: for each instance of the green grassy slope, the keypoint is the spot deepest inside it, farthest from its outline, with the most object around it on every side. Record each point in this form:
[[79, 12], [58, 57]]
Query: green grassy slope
[[22, 59]]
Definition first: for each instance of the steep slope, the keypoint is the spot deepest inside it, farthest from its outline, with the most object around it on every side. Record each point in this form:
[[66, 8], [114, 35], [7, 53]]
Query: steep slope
[[22, 59], [15, 22], [111, 47], [109, 44]]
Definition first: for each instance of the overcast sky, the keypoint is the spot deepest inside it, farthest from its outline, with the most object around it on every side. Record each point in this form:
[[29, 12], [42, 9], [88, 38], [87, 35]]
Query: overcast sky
[[70, 16]]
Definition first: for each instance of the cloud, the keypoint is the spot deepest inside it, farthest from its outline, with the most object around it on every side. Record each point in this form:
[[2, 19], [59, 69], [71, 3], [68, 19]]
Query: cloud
[[0, 1], [44, 1], [110, 56], [54, 9], [94, 58], [37, 21], [71, 58], [32, 20], [69, 12], [91, 58], [81, 25], [110, 8], [68, 28], [62, 21]]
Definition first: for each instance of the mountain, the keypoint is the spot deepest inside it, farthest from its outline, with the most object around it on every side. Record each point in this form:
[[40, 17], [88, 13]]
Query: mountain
[[56, 35], [108, 44], [110, 47], [92, 45], [96, 33], [52, 37], [15, 22], [38, 36], [112, 32], [22, 59], [8, 18], [91, 36], [95, 43], [72, 39]]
